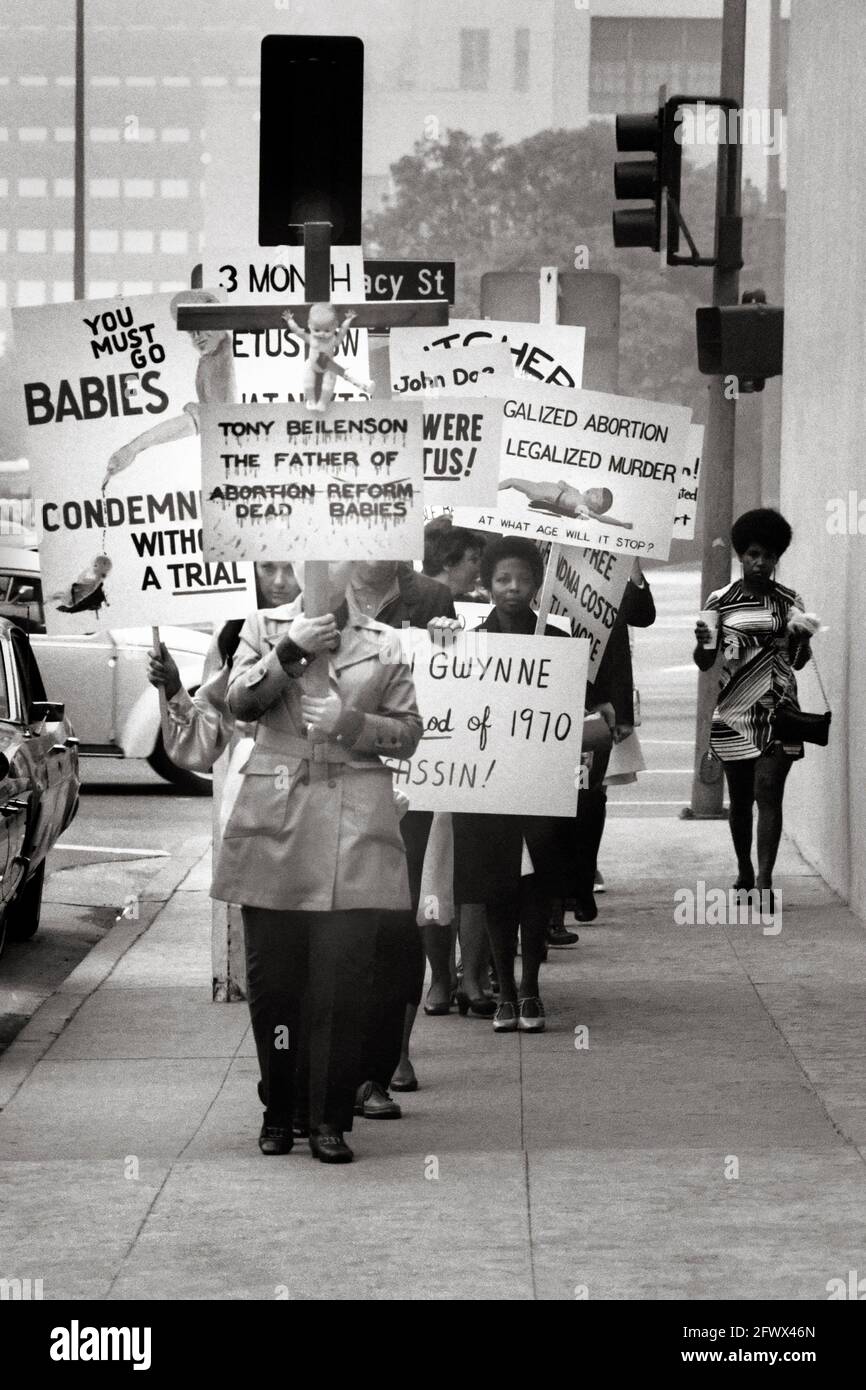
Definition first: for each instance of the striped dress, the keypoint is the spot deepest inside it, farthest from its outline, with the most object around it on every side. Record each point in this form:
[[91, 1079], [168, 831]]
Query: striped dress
[[757, 672]]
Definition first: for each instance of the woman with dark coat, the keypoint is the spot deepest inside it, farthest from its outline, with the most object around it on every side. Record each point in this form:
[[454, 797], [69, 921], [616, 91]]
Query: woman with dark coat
[[764, 636], [491, 852]]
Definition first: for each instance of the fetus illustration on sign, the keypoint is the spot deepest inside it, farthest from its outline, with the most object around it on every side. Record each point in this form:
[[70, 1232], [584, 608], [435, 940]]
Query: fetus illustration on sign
[[561, 499]]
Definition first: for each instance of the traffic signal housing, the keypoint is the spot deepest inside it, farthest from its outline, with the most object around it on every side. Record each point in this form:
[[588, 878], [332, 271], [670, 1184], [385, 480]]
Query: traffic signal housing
[[741, 340], [640, 179]]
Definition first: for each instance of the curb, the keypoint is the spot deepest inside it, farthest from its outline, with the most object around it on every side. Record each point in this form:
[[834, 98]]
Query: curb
[[40, 1032]]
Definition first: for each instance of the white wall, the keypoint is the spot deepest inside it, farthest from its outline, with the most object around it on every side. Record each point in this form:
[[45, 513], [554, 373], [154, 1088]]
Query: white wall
[[824, 391]]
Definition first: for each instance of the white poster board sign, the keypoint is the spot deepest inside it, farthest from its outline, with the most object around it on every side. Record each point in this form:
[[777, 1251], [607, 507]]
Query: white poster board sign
[[483, 369], [551, 354], [111, 395], [503, 724], [461, 452], [280, 481], [586, 588], [588, 469], [687, 497]]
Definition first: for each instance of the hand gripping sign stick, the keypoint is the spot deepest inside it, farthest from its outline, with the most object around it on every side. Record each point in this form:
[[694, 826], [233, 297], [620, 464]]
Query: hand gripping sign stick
[[156, 648]]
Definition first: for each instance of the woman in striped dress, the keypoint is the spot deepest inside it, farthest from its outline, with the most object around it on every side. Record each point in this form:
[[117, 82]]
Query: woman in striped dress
[[764, 637]]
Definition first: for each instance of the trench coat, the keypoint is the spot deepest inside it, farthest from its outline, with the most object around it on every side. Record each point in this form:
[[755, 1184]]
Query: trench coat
[[329, 842]]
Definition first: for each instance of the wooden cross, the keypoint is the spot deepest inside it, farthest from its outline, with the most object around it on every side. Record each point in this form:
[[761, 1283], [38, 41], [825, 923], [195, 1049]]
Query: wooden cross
[[377, 317]]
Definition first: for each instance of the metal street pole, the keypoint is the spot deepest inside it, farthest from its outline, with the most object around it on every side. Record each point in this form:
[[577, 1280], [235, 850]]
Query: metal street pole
[[718, 470], [80, 136]]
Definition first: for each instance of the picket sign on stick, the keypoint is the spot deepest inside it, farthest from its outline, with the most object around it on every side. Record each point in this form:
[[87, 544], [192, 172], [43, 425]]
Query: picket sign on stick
[[548, 300], [317, 279], [546, 595], [156, 647]]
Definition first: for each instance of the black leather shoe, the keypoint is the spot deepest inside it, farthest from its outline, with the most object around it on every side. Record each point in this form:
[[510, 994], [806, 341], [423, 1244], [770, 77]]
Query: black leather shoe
[[479, 1007], [558, 936], [373, 1102], [586, 909], [275, 1139], [329, 1146], [301, 1127]]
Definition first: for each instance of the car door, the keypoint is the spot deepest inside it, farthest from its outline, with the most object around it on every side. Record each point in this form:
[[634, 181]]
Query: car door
[[51, 749], [14, 783]]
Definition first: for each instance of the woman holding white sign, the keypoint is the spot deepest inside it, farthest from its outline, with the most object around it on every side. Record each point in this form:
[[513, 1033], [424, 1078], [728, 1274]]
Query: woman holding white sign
[[509, 863]]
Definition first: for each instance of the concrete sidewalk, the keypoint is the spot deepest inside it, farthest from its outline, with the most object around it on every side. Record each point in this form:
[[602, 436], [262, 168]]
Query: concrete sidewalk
[[525, 1167]]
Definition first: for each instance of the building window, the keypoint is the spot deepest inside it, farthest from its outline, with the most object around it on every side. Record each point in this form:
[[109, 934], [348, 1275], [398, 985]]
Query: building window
[[32, 241], [174, 243], [104, 134], [63, 241], [631, 58], [105, 188], [62, 291], [138, 243], [30, 292], [175, 135], [32, 188], [138, 188], [64, 188], [521, 60], [64, 134], [174, 188], [103, 242], [474, 59], [172, 286], [32, 134], [137, 287], [101, 289]]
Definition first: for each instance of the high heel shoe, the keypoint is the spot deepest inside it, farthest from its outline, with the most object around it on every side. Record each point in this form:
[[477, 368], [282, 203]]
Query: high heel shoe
[[481, 1007]]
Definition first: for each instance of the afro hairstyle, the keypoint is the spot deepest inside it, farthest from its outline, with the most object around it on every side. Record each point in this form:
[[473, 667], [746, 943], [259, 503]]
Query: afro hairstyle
[[511, 548], [764, 525]]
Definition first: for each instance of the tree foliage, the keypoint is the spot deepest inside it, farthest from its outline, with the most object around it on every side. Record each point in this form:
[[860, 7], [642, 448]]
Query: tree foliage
[[492, 206]]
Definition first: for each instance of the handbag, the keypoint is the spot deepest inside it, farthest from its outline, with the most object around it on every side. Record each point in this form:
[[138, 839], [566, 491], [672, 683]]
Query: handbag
[[792, 725]]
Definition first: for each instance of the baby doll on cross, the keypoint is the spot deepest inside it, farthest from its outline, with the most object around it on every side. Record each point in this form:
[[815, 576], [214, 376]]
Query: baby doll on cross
[[324, 337]]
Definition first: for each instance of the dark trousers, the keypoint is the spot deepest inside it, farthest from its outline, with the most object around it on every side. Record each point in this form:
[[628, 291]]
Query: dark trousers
[[589, 829], [398, 968], [310, 970]]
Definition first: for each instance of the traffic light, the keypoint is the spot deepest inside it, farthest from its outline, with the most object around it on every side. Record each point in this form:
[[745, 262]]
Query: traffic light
[[640, 179], [310, 137], [741, 340]]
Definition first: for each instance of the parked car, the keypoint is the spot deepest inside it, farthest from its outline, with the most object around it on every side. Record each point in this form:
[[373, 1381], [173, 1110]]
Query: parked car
[[38, 782], [102, 676]]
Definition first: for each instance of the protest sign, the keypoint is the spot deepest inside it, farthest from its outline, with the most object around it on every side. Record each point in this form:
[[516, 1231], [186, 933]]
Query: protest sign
[[111, 395], [269, 364], [461, 452], [503, 724], [549, 353], [587, 469], [687, 498], [279, 480], [485, 369], [586, 588]]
